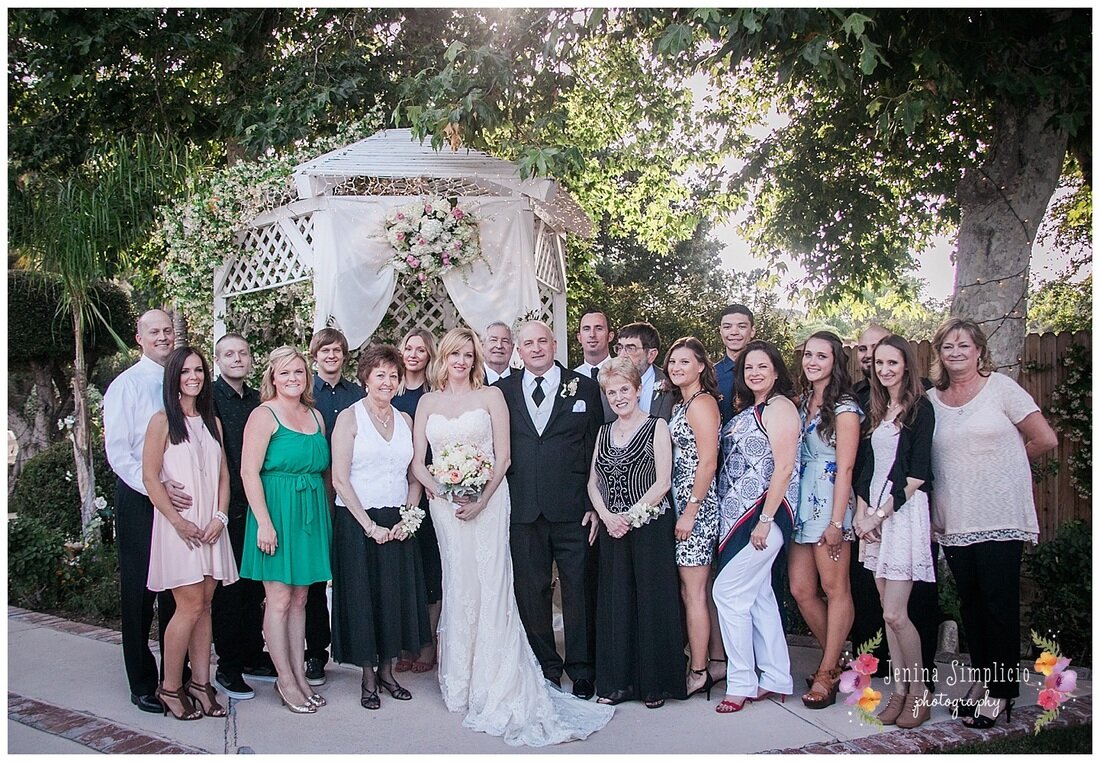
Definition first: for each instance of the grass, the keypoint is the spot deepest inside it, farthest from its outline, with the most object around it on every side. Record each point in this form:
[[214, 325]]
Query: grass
[[1072, 740]]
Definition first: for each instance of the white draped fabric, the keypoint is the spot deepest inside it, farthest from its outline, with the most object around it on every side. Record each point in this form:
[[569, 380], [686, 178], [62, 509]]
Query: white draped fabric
[[354, 281]]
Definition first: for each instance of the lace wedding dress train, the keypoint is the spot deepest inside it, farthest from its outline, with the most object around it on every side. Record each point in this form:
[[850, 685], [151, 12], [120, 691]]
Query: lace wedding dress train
[[486, 666]]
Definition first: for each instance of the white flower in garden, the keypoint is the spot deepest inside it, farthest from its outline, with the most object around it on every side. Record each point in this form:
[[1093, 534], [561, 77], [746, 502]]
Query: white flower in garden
[[100, 503]]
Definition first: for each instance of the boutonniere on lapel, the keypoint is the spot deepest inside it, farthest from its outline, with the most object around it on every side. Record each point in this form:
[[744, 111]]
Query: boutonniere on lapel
[[569, 390], [658, 390]]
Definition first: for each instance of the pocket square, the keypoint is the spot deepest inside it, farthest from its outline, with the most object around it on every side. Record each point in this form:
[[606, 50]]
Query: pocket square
[[580, 407]]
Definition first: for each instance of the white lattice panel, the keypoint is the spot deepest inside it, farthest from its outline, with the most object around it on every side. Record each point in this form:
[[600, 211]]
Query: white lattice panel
[[271, 255], [436, 313], [548, 262]]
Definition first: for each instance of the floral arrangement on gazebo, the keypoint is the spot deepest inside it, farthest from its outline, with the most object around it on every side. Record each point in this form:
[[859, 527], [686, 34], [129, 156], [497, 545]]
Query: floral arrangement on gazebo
[[431, 237]]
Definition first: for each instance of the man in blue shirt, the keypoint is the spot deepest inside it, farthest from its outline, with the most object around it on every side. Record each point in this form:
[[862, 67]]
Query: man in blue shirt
[[737, 328], [332, 393]]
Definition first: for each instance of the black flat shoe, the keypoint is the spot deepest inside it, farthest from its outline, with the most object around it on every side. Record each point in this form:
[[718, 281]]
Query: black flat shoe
[[614, 698], [395, 690]]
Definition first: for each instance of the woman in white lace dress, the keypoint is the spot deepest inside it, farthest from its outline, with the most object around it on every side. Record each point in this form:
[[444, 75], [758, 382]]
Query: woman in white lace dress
[[486, 667], [892, 517]]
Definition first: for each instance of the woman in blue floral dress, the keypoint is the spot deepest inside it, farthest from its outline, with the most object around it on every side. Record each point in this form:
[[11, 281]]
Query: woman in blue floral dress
[[820, 555]]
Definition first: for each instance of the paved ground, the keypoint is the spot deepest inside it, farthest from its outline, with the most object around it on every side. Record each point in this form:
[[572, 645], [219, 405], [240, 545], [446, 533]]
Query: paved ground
[[67, 694]]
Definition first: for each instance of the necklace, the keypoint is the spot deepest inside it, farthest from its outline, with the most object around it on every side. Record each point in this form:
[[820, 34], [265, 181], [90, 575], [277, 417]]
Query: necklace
[[195, 437], [624, 433], [383, 421]]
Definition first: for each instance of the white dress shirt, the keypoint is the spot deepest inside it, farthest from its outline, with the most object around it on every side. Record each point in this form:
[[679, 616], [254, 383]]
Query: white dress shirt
[[586, 368], [492, 376], [131, 400], [649, 378], [540, 415]]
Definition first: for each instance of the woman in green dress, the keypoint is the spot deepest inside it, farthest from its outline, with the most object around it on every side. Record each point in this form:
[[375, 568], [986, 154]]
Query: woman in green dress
[[288, 531]]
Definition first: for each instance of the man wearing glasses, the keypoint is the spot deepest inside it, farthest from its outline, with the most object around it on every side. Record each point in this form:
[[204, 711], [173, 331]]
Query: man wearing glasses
[[641, 343]]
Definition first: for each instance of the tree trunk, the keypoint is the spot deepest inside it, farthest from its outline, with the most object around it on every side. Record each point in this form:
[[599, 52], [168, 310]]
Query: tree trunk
[[81, 434], [1001, 204]]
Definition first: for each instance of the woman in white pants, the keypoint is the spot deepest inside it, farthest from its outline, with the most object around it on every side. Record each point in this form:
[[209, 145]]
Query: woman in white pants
[[757, 493]]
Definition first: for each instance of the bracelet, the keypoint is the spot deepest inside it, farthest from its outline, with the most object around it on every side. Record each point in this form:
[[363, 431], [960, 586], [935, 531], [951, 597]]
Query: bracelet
[[694, 499], [222, 518], [838, 525], [765, 518]]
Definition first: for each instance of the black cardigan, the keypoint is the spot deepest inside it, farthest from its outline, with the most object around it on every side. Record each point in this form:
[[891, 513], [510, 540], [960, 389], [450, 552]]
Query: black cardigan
[[913, 459]]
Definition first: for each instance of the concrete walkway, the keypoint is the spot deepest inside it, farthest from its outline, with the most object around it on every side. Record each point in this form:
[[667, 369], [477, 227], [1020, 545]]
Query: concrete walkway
[[67, 694]]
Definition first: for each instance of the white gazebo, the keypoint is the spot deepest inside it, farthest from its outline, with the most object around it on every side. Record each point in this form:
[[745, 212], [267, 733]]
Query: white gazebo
[[334, 235]]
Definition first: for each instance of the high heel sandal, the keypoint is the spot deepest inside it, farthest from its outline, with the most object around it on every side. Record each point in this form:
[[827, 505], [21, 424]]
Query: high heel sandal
[[187, 709], [771, 694], [707, 684], [306, 708], [721, 678], [206, 691], [816, 699], [395, 690], [983, 721], [725, 706]]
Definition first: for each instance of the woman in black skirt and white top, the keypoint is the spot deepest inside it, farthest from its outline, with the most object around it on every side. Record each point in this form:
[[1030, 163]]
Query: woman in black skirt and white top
[[639, 638], [893, 518], [378, 595]]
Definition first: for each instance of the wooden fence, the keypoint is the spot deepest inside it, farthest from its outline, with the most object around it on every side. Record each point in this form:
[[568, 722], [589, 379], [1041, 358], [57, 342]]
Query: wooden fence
[[1056, 501]]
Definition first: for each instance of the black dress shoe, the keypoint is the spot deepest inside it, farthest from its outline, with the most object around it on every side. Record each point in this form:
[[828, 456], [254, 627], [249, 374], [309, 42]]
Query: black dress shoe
[[146, 703], [584, 689], [263, 673]]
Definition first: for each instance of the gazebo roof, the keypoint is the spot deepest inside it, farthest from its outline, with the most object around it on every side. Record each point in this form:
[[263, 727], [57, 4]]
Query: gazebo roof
[[397, 154]]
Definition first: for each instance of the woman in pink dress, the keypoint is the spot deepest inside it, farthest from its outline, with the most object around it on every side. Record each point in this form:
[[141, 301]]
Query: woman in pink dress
[[190, 551]]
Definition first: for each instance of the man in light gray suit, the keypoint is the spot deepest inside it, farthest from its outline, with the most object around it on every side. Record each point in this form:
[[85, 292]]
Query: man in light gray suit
[[642, 343]]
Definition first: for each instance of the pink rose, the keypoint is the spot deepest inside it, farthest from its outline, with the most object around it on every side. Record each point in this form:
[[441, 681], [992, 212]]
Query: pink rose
[[458, 213], [423, 277], [421, 241], [400, 236], [400, 216], [427, 208], [455, 476], [446, 259], [865, 664], [410, 259], [1050, 699]]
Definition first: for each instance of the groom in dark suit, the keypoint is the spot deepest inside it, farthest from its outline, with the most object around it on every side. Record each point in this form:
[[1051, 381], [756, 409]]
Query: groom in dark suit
[[555, 414]]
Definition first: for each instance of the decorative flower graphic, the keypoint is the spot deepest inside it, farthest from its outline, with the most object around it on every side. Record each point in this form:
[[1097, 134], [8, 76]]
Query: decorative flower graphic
[[856, 681], [1059, 684]]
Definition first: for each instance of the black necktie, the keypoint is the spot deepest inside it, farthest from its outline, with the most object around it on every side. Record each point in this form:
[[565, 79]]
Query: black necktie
[[595, 371], [538, 395]]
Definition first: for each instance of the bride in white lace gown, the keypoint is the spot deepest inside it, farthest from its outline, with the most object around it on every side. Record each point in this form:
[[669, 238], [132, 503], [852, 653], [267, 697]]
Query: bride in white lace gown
[[486, 666]]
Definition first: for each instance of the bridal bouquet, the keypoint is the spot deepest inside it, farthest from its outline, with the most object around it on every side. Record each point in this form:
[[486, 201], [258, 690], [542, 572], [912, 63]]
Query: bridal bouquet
[[642, 513], [462, 470], [411, 517]]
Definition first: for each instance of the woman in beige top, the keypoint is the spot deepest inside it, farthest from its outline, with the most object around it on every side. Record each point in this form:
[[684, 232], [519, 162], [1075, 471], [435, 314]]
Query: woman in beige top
[[983, 511]]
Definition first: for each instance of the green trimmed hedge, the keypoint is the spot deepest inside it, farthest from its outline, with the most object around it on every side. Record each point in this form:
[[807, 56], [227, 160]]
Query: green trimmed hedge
[[43, 492]]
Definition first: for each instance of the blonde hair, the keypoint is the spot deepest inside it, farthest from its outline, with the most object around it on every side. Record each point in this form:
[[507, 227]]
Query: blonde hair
[[453, 341], [619, 366], [985, 358], [429, 343], [277, 360]]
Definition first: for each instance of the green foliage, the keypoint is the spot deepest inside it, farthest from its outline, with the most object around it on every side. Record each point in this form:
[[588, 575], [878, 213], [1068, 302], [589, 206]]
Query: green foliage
[[897, 307], [46, 489], [1061, 570], [88, 582], [34, 552], [1060, 305], [40, 323], [1070, 411]]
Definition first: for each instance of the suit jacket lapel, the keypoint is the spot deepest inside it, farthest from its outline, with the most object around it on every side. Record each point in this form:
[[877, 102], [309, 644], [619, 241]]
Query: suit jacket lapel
[[514, 382]]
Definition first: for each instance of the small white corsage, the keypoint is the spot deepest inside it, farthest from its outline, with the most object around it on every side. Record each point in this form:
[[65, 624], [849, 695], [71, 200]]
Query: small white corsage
[[642, 513], [569, 389], [411, 517]]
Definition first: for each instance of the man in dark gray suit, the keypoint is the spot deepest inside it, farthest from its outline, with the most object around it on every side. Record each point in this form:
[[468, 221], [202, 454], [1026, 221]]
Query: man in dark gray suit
[[554, 416], [642, 343]]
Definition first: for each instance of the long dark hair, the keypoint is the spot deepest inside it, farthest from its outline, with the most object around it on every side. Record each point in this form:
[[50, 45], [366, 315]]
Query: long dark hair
[[743, 395], [707, 378], [837, 390], [204, 403], [911, 388]]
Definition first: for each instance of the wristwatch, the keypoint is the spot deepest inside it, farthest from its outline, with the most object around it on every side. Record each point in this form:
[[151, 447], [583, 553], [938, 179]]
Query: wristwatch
[[694, 499], [838, 525], [872, 512], [765, 518]]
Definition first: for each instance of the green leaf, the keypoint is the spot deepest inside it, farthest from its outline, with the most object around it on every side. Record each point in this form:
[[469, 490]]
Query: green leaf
[[869, 58], [854, 24], [455, 48], [676, 39], [1045, 643], [812, 50]]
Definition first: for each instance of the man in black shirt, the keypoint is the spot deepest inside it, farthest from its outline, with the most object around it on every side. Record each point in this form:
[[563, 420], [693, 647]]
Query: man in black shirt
[[237, 610], [332, 393]]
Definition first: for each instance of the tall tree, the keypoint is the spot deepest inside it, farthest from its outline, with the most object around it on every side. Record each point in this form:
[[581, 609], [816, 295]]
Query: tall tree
[[895, 125], [80, 226]]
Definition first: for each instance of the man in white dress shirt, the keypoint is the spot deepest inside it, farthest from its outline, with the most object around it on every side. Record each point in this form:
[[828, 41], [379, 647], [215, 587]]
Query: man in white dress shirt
[[497, 345], [130, 401], [595, 337]]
